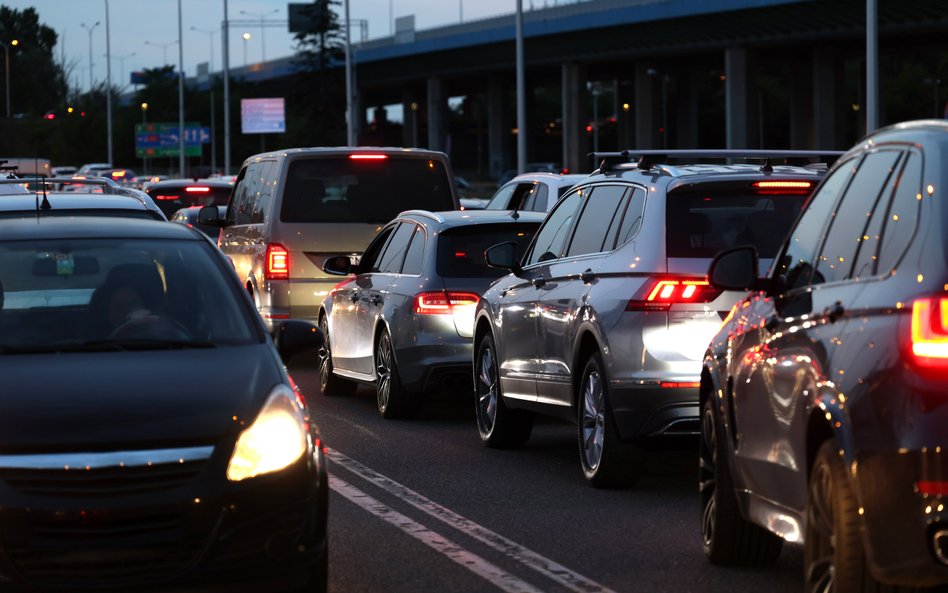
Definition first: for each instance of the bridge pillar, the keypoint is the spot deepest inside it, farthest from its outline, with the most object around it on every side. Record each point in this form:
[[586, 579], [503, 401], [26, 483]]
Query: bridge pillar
[[648, 117], [827, 70], [575, 109], [687, 103], [437, 115], [736, 93], [801, 105], [496, 130], [410, 121]]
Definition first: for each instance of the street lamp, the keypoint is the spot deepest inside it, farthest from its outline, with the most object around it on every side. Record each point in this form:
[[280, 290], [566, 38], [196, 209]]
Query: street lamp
[[210, 35], [6, 57], [246, 37], [121, 60], [164, 50], [144, 107], [263, 39], [90, 29]]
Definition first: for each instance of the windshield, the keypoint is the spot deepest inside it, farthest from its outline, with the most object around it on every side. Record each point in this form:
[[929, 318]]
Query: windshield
[[340, 189], [70, 294]]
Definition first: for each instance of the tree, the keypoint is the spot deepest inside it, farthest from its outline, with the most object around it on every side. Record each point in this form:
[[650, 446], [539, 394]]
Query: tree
[[319, 98], [37, 82]]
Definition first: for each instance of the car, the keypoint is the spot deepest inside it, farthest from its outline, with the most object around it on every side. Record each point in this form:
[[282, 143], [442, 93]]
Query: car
[[473, 204], [152, 436], [547, 167], [107, 200], [26, 166], [121, 176], [93, 169], [189, 216], [822, 395], [173, 194], [292, 208], [415, 288], [605, 320], [538, 192], [63, 171]]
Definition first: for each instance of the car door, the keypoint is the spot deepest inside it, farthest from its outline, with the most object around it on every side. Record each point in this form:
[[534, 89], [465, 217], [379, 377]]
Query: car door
[[562, 296], [346, 349], [518, 327], [796, 367]]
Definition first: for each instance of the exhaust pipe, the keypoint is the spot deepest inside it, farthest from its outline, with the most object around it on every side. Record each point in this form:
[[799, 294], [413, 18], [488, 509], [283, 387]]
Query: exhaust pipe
[[940, 544]]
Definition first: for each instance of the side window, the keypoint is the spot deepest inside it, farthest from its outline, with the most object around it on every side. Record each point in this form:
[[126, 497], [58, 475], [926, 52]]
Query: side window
[[264, 193], [536, 200], [501, 198], [796, 263], [369, 262], [632, 219], [849, 221], [391, 262], [253, 182], [237, 198], [902, 217], [551, 237], [415, 257], [598, 214]]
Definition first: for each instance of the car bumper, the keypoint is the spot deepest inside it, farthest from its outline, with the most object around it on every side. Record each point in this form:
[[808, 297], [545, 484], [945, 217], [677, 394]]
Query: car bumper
[[445, 366], [900, 520], [203, 535], [646, 408]]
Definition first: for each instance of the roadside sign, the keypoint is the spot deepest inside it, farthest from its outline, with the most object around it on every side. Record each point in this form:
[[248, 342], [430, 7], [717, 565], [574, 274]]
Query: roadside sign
[[162, 139], [262, 116]]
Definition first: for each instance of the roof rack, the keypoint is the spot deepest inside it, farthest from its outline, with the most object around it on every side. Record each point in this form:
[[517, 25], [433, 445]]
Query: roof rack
[[108, 186], [425, 213], [646, 159]]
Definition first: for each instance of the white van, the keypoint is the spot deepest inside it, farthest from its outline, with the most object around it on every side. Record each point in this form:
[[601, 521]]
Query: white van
[[292, 209]]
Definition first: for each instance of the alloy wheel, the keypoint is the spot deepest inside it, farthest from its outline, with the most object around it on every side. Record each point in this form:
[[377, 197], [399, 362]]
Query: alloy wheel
[[383, 370], [707, 464], [322, 355], [821, 535], [486, 390], [593, 420]]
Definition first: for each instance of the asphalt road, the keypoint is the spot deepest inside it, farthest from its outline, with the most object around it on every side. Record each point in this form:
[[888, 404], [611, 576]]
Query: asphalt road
[[420, 505]]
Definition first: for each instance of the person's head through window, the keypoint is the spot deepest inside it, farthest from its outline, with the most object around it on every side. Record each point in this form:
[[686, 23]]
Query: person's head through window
[[125, 304], [130, 292]]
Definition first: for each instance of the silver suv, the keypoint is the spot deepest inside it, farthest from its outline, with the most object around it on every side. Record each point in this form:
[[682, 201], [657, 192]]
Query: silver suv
[[606, 318], [291, 209]]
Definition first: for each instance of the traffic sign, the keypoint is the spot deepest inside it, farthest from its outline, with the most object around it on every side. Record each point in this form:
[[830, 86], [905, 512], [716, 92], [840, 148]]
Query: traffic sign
[[163, 139], [262, 116]]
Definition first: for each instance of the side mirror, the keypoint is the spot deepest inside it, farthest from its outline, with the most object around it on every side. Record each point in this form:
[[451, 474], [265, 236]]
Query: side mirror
[[338, 265], [296, 336], [735, 269], [503, 256], [210, 216]]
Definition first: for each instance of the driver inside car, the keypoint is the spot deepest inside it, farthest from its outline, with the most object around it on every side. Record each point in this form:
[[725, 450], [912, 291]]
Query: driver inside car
[[131, 296]]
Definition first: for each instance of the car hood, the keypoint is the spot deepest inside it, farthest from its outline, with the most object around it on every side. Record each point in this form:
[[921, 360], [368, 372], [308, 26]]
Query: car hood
[[129, 400]]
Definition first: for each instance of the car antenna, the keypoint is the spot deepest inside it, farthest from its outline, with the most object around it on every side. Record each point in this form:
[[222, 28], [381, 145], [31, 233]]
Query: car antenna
[[45, 205]]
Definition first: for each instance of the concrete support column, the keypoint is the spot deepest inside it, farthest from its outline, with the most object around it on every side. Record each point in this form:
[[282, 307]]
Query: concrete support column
[[437, 115], [827, 71], [736, 104], [496, 128], [409, 118], [801, 105], [625, 116], [686, 109], [648, 116], [575, 109]]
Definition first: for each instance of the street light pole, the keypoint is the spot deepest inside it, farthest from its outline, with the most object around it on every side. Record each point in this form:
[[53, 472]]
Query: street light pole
[[108, 85], [225, 50], [350, 123], [246, 38], [872, 66], [90, 29], [6, 68], [263, 39], [521, 95], [180, 92], [164, 50], [210, 35]]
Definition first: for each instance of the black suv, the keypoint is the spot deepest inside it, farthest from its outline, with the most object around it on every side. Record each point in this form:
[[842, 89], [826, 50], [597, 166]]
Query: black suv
[[824, 408]]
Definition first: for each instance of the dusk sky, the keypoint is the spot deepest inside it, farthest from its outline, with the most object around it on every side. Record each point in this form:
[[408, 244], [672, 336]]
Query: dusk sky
[[133, 22]]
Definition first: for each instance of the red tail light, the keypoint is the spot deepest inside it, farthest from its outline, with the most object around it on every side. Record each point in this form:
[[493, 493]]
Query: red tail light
[[442, 303], [197, 189], [930, 332], [368, 157], [783, 187], [660, 294], [278, 262], [164, 197]]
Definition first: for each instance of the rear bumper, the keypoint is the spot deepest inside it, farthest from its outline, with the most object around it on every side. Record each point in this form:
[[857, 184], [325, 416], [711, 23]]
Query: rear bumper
[[645, 409], [293, 299], [437, 367]]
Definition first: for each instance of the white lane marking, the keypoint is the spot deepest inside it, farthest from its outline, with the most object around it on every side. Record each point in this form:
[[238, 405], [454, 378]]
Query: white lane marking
[[482, 568], [545, 566]]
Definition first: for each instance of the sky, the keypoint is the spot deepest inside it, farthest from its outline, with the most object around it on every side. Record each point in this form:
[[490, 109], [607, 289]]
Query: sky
[[132, 23]]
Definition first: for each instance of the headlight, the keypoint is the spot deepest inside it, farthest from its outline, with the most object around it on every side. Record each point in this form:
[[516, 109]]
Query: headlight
[[276, 439]]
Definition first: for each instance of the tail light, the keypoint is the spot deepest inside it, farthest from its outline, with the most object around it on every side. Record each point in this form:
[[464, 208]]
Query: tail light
[[661, 293], [775, 187], [930, 333], [368, 157], [201, 189], [442, 302], [278, 262]]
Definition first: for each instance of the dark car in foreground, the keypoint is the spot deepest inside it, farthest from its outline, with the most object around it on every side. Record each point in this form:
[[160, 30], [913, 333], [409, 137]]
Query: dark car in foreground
[[824, 408], [150, 436], [404, 318]]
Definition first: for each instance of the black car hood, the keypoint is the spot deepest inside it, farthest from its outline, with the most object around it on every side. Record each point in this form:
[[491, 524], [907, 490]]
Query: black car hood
[[134, 399]]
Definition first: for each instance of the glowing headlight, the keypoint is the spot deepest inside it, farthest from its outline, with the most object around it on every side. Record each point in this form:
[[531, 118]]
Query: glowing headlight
[[276, 439]]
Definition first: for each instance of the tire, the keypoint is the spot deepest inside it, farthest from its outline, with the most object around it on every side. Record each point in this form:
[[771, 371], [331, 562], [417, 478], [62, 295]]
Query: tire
[[834, 557], [606, 461], [392, 399], [499, 427], [318, 580], [329, 383], [728, 538]]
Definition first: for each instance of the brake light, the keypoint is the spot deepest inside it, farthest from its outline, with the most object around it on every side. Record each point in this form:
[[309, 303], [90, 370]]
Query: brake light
[[163, 197], [118, 174], [443, 302], [197, 189], [368, 157], [930, 332], [278, 262], [661, 294], [783, 187]]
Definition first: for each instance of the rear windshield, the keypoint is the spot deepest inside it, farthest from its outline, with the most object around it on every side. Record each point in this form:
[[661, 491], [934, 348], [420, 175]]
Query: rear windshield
[[461, 249], [699, 224], [170, 200], [340, 189]]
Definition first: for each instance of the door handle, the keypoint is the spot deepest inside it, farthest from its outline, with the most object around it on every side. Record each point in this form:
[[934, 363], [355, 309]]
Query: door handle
[[834, 311], [771, 323], [538, 282], [587, 277]]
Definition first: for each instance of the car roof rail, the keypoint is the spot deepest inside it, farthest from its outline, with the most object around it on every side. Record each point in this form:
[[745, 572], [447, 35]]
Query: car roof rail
[[108, 186], [646, 159], [426, 213]]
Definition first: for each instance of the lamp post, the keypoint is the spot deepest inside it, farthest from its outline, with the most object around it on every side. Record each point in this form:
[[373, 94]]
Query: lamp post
[[246, 38], [108, 85], [210, 34], [144, 107], [121, 60], [6, 68], [263, 39], [90, 29], [164, 50]]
